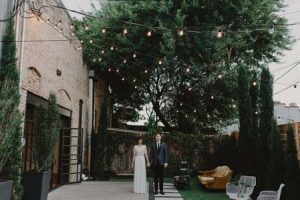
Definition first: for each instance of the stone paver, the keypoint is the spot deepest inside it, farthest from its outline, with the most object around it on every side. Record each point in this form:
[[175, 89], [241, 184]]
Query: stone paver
[[97, 191], [171, 193]]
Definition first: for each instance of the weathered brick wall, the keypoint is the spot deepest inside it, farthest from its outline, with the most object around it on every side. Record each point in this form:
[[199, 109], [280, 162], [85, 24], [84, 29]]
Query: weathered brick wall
[[40, 60]]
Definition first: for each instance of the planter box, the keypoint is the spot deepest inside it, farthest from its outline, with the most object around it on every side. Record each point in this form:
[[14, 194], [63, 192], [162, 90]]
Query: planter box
[[36, 185], [5, 189]]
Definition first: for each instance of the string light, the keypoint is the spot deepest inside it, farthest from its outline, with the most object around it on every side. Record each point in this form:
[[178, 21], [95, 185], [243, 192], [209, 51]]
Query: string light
[[104, 30], [134, 55], [188, 70], [94, 60], [181, 32], [72, 26], [146, 71], [59, 23], [134, 80], [234, 106], [60, 30], [220, 76], [271, 28], [254, 83], [149, 33], [212, 97], [123, 79], [109, 69], [195, 111], [190, 89], [81, 41], [102, 52], [117, 70], [72, 33], [160, 62], [112, 48], [100, 59], [91, 41], [87, 28], [219, 34], [168, 80], [135, 87], [256, 112], [124, 61], [125, 31]]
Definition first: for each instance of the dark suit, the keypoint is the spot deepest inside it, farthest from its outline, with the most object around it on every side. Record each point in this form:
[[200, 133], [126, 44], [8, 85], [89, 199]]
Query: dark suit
[[158, 158]]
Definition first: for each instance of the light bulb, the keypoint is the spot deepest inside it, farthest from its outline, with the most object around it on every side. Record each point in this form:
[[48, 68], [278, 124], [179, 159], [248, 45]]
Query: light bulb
[[91, 41], [134, 80], [160, 62], [81, 41], [190, 89], [72, 34], [188, 70], [125, 31], [234, 106], [219, 34], [254, 83], [256, 112], [72, 26], [220, 76], [117, 70], [94, 60], [103, 30], [135, 87], [112, 48], [102, 52], [100, 59], [87, 28], [146, 71], [149, 33], [212, 97], [123, 79], [60, 30], [134, 55], [181, 32], [195, 110], [109, 69]]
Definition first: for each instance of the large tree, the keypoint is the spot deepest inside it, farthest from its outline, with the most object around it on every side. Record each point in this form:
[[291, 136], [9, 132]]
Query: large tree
[[181, 56]]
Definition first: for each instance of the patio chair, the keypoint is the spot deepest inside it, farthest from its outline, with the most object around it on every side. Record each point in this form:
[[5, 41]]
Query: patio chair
[[271, 195], [243, 189], [183, 178], [216, 178]]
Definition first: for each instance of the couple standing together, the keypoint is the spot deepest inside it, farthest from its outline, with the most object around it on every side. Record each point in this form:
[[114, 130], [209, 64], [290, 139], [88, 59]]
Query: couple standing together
[[159, 161]]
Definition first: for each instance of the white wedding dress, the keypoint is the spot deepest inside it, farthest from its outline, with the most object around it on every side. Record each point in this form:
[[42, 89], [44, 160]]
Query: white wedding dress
[[139, 169]]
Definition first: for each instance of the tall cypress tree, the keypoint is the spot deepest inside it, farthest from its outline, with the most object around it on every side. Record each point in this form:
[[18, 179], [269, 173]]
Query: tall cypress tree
[[265, 126], [9, 73], [292, 176], [275, 175], [245, 119]]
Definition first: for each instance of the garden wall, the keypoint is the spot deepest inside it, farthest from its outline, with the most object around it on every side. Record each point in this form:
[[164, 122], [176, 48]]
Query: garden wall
[[202, 152]]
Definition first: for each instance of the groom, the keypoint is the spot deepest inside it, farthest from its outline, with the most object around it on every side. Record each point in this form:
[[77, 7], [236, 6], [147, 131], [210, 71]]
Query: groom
[[159, 161]]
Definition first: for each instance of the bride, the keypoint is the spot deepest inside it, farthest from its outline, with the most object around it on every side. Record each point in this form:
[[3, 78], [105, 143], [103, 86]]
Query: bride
[[139, 166]]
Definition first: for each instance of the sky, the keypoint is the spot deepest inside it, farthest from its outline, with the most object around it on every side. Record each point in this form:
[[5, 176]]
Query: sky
[[291, 95]]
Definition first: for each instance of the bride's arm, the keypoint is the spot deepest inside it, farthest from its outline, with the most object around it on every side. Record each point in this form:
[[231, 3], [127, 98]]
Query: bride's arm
[[146, 156], [133, 157]]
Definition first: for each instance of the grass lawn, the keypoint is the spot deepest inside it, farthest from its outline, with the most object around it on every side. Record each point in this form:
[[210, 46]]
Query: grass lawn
[[198, 192]]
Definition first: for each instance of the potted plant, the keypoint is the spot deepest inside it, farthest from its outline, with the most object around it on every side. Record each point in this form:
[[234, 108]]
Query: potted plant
[[10, 120], [36, 182]]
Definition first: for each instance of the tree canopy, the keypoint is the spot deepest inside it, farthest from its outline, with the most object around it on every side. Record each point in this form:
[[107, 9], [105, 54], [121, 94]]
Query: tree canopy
[[182, 56]]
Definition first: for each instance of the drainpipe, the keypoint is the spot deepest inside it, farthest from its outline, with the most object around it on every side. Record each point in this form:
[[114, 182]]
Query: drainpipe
[[90, 115]]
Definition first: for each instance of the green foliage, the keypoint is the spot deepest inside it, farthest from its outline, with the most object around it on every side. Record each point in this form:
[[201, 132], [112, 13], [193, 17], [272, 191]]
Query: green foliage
[[265, 126], [101, 153], [45, 134], [10, 117], [152, 126], [169, 84], [276, 166], [245, 121], [292, 166]]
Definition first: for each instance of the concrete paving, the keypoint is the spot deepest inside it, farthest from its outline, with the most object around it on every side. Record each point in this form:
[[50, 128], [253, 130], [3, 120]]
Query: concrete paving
[[97, 191]]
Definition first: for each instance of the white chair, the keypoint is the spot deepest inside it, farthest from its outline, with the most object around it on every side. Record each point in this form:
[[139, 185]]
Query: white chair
[[271, 195], [243, 189]]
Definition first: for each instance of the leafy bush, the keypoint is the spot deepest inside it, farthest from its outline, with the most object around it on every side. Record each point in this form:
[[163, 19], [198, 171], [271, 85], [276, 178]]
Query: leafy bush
[[45, 135]]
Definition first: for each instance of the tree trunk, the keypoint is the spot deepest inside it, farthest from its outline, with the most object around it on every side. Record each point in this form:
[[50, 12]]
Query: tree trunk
[[161, 116]]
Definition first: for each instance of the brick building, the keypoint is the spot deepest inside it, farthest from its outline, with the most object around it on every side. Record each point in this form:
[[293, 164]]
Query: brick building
[[50, 61]]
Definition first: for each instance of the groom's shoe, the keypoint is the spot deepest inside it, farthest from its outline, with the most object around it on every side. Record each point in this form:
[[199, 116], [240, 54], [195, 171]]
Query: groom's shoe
[[156, 192], [162, 193]]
